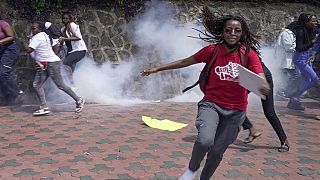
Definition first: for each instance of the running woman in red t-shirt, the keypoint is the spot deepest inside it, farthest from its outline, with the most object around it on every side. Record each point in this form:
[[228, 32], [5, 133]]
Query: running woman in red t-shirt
[[222, 110]]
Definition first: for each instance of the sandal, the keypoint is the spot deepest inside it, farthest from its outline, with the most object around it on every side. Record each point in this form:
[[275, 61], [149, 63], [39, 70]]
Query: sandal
[[251, 137], [284, 148]]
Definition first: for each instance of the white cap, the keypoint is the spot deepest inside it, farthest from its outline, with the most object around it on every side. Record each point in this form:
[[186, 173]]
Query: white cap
[[47, 24]]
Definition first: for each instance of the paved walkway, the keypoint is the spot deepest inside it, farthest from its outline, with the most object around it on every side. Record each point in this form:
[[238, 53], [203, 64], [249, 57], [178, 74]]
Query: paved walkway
[[111, 142]]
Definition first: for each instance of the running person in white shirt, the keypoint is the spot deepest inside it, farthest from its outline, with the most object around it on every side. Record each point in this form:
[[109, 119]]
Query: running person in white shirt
[[284, 50], [50, 65]]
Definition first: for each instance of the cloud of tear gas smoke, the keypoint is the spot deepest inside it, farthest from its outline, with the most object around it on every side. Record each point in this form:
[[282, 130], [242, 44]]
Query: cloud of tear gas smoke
[[154, 28], [157, 28], [103, 84]]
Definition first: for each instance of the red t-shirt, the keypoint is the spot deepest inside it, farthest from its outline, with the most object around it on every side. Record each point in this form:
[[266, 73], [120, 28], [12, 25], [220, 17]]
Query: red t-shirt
[[223, 87]]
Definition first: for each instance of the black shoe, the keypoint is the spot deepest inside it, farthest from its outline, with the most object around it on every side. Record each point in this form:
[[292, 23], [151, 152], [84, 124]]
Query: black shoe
[[284, 147], [295, 104]]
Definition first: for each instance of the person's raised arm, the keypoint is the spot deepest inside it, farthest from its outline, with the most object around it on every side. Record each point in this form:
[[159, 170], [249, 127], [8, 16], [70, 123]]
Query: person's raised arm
[[174, 65], [71, 38], [26, 47], [75, 34]]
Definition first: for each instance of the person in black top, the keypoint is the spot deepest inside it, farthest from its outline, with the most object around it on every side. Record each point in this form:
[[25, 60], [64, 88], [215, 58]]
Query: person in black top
[[305, 31], [270, 114]]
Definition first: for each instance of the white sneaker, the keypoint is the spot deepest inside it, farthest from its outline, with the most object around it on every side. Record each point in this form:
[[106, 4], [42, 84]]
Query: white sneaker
[[79, 105], [41, 111], [188, 175]]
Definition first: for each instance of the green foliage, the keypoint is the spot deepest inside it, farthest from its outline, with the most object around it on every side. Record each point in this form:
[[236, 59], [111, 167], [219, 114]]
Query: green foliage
[[41, 8], [38, 5]]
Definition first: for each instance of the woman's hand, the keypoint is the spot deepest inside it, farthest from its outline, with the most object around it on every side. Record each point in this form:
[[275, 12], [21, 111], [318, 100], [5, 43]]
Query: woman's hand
[[148, 71], [265, 89], [62, 39], [41, 67]]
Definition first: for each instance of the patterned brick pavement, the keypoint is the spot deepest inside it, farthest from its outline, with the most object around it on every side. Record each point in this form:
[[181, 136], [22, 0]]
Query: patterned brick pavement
[[111, 142]]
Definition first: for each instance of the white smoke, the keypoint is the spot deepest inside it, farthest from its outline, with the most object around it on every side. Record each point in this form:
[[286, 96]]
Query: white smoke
[[103, 84], [154, 28]]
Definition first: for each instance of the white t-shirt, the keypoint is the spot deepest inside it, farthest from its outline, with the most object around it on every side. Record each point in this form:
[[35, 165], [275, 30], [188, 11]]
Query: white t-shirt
[[285, 48], [42, 48], [76, 45]]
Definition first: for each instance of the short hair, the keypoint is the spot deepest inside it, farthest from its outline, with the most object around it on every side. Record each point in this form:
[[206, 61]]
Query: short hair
[[41, 25]]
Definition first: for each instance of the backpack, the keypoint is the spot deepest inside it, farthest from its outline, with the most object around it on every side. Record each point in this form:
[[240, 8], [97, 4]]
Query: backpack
[[205, 72]]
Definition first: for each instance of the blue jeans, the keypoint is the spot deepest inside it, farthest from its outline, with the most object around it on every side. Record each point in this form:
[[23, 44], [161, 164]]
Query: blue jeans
[[9, 54], [309, 78]]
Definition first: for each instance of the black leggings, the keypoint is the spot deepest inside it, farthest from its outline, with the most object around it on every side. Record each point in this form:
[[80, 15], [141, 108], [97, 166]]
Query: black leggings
[[72, 58], [268, 109]]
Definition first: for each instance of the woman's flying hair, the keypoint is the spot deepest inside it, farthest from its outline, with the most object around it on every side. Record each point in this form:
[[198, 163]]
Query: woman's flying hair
[[214, 25]]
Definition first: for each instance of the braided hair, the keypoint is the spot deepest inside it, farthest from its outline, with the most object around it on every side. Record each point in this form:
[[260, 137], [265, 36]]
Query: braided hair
[[214, 25]]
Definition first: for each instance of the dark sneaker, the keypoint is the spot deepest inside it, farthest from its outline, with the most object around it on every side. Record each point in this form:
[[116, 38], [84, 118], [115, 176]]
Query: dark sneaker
[[41, 111], [79, 105], [295, 104]]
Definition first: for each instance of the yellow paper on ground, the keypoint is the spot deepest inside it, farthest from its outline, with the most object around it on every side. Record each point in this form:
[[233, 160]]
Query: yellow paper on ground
[[165, 124]]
